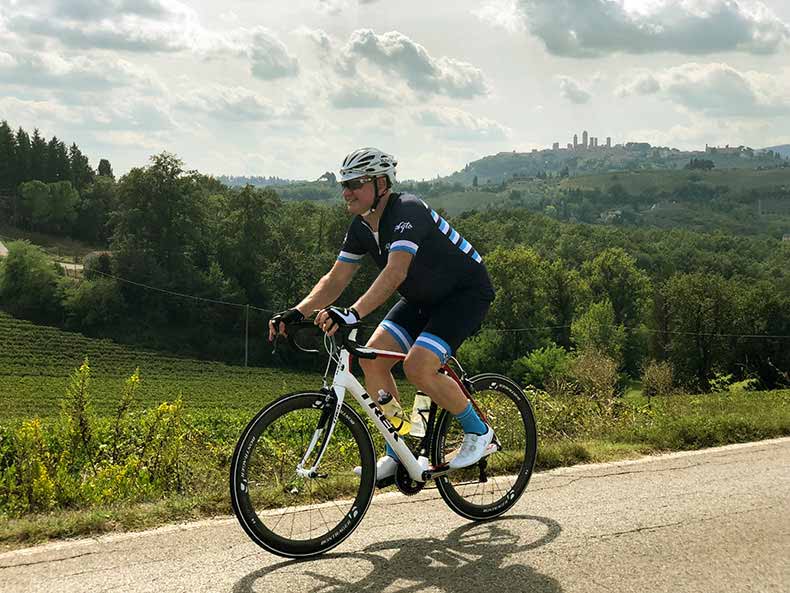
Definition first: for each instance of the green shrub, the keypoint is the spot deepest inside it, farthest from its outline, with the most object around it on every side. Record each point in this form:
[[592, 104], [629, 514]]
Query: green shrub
[[483, 353], [93, 303], [29, 283], [657, 378], [597, 377], [96, 265], [80, 460], [596, 330], [541, 365]]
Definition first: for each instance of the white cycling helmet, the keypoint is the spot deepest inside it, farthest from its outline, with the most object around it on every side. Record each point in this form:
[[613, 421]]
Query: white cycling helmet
[[368, 162]]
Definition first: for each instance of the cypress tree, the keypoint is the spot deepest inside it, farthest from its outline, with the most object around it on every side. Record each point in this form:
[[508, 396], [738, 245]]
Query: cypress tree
[[38, 157], [105, 169], [7, 159], [81, 173], [24, 170]]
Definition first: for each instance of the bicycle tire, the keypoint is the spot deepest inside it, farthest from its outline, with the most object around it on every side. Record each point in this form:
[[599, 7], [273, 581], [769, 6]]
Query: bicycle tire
[[499, 398], [264, 485]]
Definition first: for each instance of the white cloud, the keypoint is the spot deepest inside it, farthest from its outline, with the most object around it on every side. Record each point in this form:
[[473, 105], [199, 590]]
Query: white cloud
[[126, 25], [396, 54], [502, 14], [456, 124], [335, 7], [716, 89], [54, 71], [591, 28], [573, 91], [358, 96], [236, 104], [643, 83], [317, 36], [270, 58]]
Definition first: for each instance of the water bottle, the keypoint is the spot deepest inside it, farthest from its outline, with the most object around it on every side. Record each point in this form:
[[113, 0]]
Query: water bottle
[[419, 414], [394, 413]]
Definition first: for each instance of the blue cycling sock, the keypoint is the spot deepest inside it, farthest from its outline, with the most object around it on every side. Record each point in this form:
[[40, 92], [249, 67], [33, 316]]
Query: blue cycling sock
[[471, 421], [391, 452]]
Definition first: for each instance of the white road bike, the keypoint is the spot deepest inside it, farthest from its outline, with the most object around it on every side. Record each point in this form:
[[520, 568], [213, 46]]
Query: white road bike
[[292, 482]]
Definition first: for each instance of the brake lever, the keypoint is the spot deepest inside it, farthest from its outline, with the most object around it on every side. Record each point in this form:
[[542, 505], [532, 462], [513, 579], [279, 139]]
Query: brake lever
[[274, 347]]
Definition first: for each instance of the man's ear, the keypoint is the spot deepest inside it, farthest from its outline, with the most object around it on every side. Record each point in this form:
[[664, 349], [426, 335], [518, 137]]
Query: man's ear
[[382, 182]]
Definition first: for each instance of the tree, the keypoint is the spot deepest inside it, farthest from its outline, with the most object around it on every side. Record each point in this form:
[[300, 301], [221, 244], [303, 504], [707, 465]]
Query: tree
[[81, 172], [29, 283], [62, 211], [701, 164], [614, 276], [57, 163], [105, 169], [38, 157], [249, 232], [159, 221], [7, 159], [566, 290], [33, 204], [96, 203], [24, 171], [701, 307], [519, 277], [596, 330]]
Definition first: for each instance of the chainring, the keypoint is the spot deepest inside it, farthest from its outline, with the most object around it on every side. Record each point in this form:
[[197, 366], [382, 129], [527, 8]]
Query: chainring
[[405, 484]]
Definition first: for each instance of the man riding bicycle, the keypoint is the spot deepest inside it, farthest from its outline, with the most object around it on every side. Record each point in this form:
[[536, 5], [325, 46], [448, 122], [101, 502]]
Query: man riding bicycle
[[444, 286]]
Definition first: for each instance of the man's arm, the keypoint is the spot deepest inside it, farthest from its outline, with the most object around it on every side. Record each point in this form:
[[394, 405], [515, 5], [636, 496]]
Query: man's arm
[[388, 281], [329, 287]]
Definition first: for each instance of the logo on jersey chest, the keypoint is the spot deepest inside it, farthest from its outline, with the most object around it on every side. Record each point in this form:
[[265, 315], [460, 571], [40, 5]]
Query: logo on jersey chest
[[402, 227]]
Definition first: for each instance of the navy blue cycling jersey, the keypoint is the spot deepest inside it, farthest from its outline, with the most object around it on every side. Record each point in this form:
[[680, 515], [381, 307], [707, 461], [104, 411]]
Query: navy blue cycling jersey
[[443, 260]]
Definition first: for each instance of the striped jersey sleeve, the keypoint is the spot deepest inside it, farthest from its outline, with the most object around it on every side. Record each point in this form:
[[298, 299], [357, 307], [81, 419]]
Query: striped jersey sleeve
[[352, 251]]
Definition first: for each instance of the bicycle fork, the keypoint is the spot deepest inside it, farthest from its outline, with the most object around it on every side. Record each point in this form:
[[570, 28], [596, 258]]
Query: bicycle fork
[[326, 426]]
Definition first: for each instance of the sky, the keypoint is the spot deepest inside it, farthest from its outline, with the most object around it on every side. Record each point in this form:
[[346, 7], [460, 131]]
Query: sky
[[287, 88]]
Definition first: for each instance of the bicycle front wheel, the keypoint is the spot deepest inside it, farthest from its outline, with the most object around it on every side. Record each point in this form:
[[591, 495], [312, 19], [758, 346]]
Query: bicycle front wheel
[[283, 512], [493, 485]]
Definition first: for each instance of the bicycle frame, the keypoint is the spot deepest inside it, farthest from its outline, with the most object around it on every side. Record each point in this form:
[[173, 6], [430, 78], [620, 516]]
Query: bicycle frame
[[344, 381]]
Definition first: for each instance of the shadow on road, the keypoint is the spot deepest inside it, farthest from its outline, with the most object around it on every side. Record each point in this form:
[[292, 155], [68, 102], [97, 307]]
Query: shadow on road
[[474, 557]]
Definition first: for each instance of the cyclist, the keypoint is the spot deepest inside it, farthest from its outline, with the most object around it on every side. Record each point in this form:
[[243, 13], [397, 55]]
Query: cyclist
[[444, 286]]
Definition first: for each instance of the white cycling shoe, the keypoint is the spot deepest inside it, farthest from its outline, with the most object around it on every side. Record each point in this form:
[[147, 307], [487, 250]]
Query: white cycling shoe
[[386, 467], [472, 449]]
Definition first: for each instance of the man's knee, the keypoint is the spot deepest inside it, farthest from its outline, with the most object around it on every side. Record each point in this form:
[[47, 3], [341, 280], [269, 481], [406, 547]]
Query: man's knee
[[376, 365], [420, 366]]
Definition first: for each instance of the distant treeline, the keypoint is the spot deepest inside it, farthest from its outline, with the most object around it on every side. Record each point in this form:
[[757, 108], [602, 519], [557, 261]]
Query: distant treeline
[[255, 181], [708, 303]]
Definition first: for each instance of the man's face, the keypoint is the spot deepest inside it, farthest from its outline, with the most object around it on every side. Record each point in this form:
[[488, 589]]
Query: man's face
[[359, 195]]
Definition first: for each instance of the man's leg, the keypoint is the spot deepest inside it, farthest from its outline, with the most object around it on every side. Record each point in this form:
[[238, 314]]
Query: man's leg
[[422, 370], [378, 371], [378, 375]]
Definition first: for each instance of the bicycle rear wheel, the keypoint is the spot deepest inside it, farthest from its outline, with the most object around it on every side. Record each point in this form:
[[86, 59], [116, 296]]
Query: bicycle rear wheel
[[285, 513], [505, 473]]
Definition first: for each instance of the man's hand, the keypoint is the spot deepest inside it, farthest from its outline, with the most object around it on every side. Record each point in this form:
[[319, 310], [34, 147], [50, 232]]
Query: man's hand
[[277, 323], [332, 318]]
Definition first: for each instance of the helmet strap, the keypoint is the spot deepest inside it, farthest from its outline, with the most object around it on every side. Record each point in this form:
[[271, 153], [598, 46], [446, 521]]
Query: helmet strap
[[376, 197], [376, 194]]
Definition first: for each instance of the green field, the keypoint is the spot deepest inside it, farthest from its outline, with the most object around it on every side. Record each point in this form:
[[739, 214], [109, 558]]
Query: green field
[[635, 182], [36, 361]]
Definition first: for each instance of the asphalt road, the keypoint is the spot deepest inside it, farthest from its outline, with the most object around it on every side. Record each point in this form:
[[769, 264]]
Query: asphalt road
[[710, 521]]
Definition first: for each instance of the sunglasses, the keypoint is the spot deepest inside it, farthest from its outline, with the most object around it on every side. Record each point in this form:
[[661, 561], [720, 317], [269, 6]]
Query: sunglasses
[[355, 184]]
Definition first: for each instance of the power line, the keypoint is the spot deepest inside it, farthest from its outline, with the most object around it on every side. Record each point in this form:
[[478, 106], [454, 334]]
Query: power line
[[181, 294], [498, 330]]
